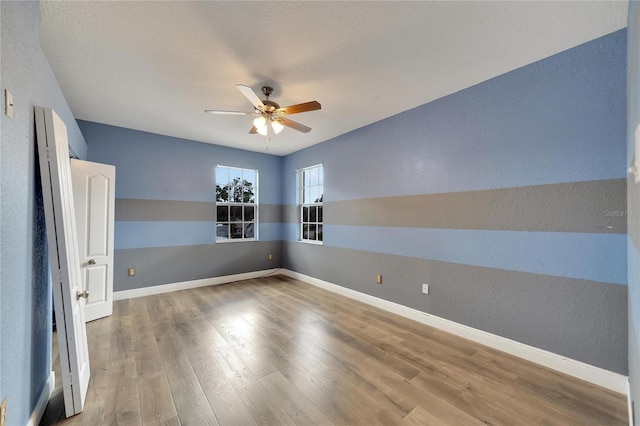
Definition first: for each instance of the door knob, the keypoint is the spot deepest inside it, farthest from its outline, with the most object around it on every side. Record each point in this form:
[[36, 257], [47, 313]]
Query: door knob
[[82, 294], [92, 262]]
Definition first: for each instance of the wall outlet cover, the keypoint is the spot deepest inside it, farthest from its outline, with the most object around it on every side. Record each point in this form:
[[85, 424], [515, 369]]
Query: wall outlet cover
[[8, 104]]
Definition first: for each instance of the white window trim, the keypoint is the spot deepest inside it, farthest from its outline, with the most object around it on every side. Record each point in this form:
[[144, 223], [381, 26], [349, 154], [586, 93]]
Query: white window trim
[[301, 205], [256, 205]]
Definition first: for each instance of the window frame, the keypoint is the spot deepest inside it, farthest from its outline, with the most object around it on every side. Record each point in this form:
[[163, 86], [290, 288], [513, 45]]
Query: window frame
[[243, 223], [316, 205]]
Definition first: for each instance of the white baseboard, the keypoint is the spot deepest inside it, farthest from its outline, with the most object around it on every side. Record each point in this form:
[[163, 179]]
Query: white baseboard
[[599, 376], [43, 400], [185, 285]]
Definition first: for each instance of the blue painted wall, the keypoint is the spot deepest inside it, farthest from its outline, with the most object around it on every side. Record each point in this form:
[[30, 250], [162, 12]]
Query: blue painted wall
[[633, 120], [526, 127], [559, 121], [161, 167], [25, 291], [178, 175]]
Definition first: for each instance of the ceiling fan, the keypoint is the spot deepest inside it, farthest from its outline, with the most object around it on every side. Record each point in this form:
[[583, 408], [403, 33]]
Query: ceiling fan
[[269, 115]]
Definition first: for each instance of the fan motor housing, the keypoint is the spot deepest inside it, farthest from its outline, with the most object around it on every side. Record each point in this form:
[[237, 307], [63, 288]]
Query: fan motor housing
[[270, 106]]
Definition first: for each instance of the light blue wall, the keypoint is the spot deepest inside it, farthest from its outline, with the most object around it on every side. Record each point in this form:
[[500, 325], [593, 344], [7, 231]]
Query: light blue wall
[[161, 167], [556, 120], [25, 292], [178, 176], [633, 120], [597, 257], [559, 122]]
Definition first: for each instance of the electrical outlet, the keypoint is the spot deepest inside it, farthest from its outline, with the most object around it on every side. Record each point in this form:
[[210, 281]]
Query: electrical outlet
[[131, 272], [425, 288], [8, 104], [3, 412], [379, 279], [270, 256]]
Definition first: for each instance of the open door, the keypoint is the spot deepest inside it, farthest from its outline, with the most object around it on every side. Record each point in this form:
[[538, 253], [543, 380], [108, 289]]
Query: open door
[[94, 186], [68, 295]]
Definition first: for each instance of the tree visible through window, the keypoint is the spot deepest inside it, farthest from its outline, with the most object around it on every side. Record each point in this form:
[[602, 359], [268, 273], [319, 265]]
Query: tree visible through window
[[236, 203], [311, 186]]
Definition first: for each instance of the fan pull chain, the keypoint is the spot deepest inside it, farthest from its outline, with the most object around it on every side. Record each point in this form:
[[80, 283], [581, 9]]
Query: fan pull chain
[[266, 148]]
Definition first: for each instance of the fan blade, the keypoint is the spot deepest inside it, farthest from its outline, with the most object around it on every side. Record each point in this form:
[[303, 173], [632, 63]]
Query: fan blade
[[294, 125], [214, 111], [295, 109], [251, 95], [253, 130]]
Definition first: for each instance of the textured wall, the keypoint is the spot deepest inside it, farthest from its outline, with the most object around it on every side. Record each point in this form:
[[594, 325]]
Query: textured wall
[[633, 120], [25, 292], [507, 197], [165, 207]]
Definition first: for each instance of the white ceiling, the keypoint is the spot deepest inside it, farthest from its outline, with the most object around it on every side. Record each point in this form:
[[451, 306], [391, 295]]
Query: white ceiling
[[155, 66]]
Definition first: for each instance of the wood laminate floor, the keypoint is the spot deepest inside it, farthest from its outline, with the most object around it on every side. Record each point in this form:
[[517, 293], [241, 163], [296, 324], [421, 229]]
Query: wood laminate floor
[[280, 352]]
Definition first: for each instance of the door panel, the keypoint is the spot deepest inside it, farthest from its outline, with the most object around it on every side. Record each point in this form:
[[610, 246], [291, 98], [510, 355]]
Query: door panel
[[94, 196], [68, 296], [96, 278]]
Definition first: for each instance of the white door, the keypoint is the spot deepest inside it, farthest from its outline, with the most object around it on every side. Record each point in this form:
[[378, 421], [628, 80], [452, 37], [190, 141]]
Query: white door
[[94, 187], [68, 294]]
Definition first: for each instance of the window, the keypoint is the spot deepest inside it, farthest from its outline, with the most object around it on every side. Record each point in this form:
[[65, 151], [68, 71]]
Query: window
[[236, 204], [311, 195]]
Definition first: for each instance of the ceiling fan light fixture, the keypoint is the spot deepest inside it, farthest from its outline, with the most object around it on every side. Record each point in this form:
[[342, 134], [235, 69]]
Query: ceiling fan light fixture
[[269, 115], [262, 130], [277, 127], [260, 122], [261, 125]]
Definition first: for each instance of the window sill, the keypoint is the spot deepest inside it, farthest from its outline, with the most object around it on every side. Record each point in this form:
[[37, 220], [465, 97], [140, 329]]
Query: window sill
[[235, 240], [314, 243]]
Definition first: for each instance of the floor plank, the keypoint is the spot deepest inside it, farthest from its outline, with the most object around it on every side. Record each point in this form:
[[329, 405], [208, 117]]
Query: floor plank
[[295, 404], [276, 351]]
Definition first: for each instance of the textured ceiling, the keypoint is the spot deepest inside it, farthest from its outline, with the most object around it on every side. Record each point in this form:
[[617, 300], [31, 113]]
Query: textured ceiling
[[155, 66]]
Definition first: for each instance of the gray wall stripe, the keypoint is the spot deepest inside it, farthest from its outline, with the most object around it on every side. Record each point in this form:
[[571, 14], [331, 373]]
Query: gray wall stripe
[[581, 319], [592, 207], [291, 213], [138, 210], [166, 265], [270, 213]]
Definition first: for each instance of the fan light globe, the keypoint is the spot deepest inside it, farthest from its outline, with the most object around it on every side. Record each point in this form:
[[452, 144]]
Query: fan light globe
[[262, 130], [260, 122], [261, 125], [277, 127]]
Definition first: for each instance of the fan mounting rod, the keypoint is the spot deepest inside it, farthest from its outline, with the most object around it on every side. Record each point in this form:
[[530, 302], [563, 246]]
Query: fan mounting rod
[[269, 106], [267, 91]]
